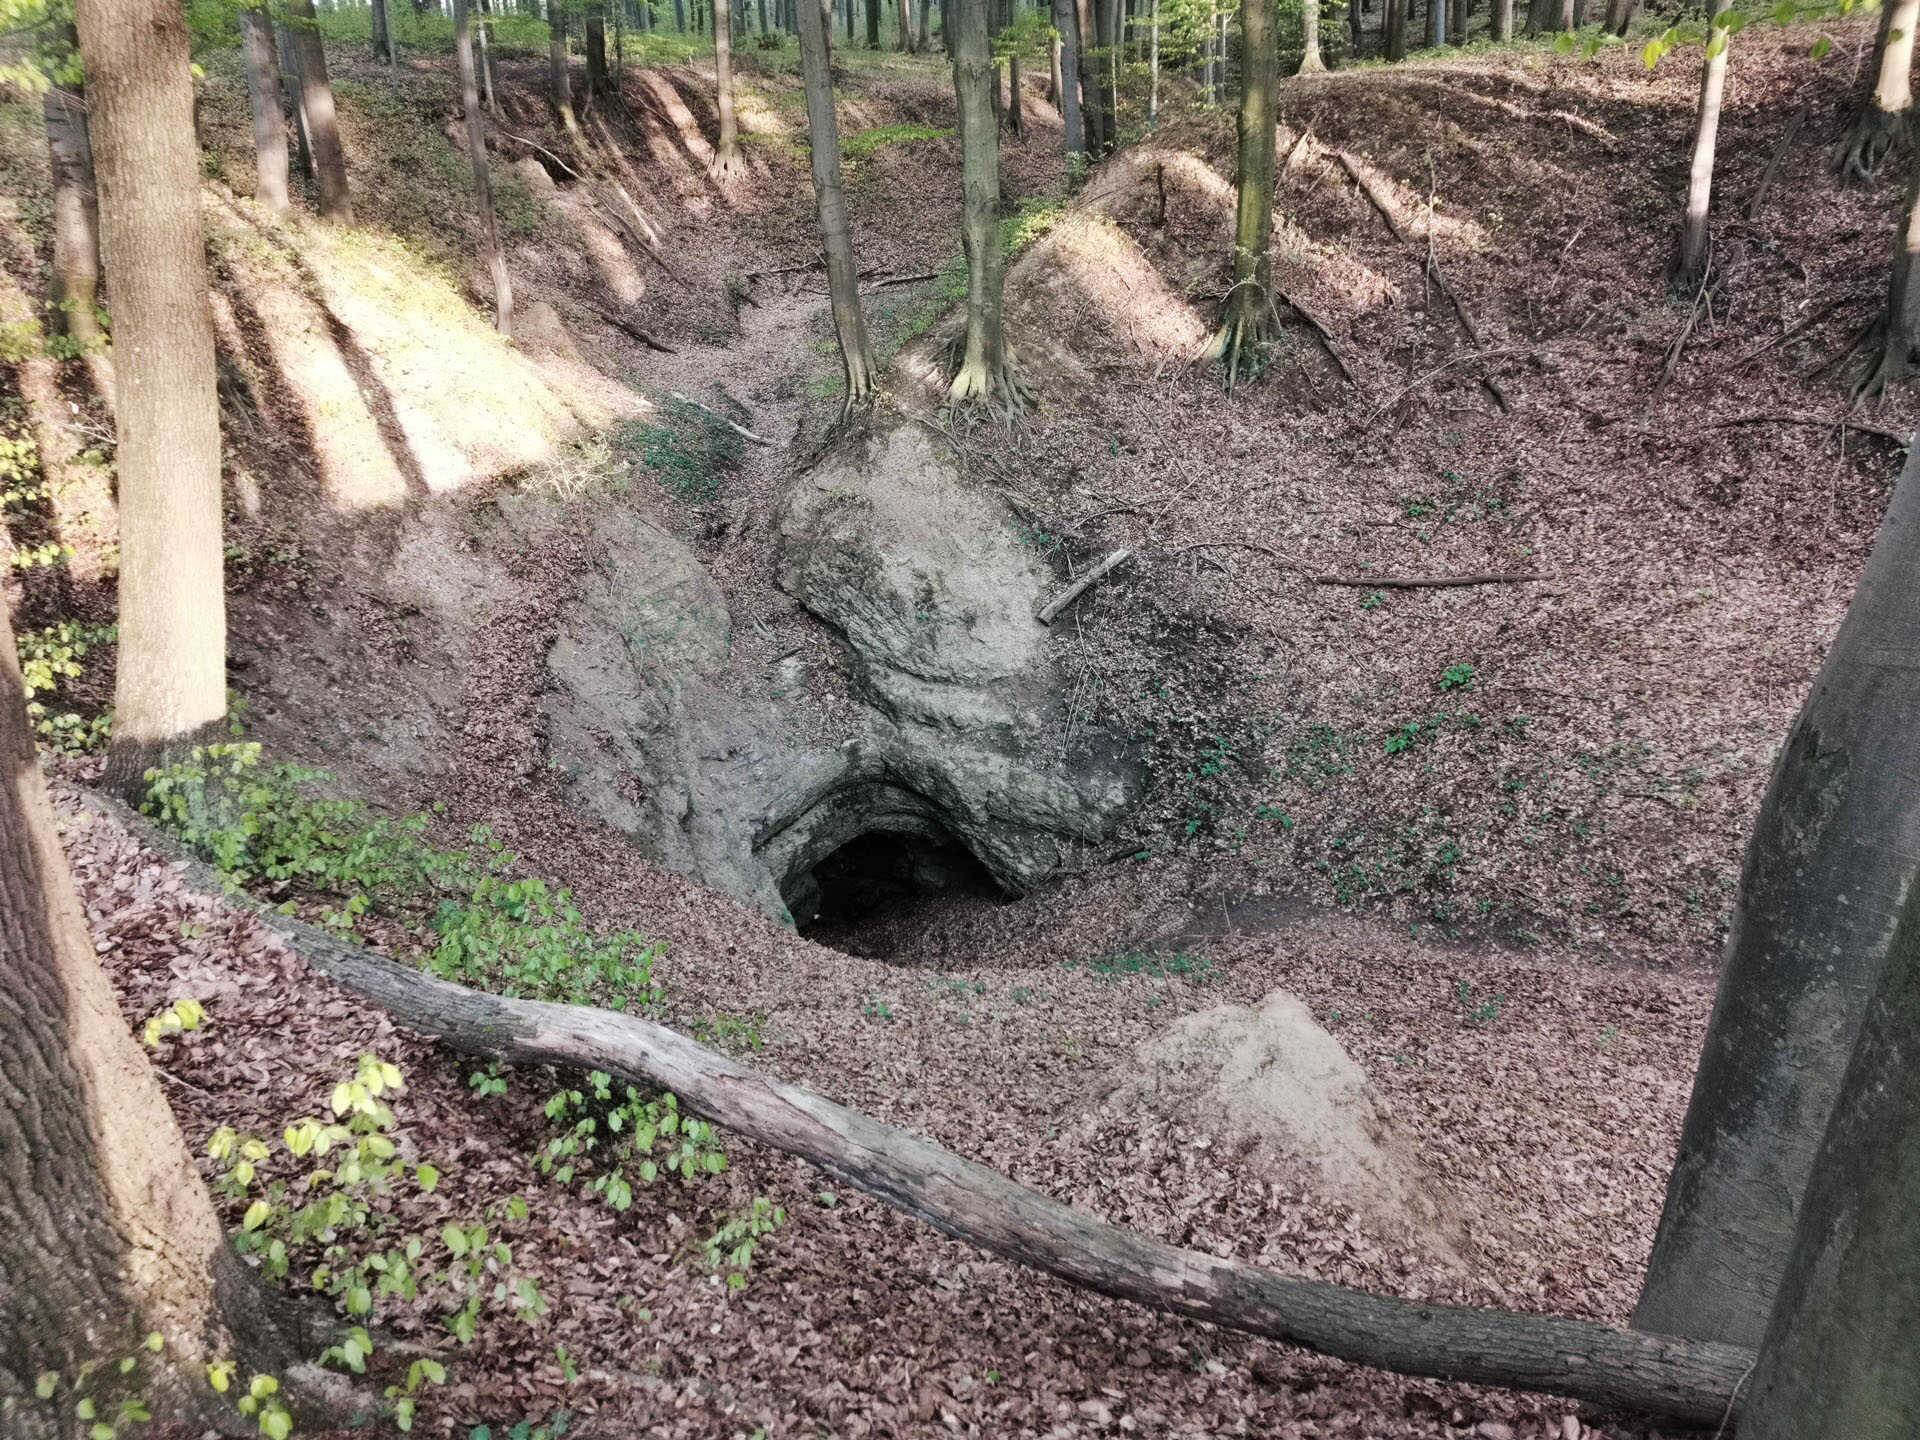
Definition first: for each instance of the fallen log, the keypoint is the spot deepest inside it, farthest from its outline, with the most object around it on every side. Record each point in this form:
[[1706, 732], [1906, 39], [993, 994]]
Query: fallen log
[[1422, 582], [1657, 1375], [619, 322], [740, 430]]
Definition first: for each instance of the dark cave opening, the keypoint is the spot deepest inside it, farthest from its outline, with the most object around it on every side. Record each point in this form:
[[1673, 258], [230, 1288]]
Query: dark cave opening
[[867, 887]]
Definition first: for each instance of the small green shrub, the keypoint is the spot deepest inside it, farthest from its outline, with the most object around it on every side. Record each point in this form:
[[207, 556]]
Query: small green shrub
[[48, 659], [863, 143], [1457, 676]]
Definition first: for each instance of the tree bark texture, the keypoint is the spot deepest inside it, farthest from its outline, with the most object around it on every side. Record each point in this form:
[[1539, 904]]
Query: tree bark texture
[[106, 1232], [1841, 1359], [1396, 26], [1436, 23], [490, 250], [984, 374], [1249, 304], [1310, 61], [263, 97], [1832, 861], [598, 85], [1690, 267], [170, 683], [1066, 20], [73, 288], [873, 24], [904, 40], [323, 122], [559, 81], [1503, 20], [1095, 112], [843, 275], [1882, 121], [727, 159], [1656, 1375]]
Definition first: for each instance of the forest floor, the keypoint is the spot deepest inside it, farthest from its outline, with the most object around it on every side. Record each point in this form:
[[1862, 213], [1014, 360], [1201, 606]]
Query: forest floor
[[1509, 921]]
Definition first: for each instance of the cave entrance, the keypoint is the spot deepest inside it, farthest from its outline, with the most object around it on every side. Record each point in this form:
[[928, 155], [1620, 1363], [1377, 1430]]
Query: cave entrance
[[867, 896]]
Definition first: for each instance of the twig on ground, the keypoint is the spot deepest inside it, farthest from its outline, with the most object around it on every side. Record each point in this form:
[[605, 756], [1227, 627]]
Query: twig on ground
[[904, 279], [633, 234], [739, 430], [1422, 582], [1680, 341], [1801, 326], [1773, 164], [1817, 421], [1046, 613], [1438, 370], [521, 140], [1326, 339], [1229, 545]]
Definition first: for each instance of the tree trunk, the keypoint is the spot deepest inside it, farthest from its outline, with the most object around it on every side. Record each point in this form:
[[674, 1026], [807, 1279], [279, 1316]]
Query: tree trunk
[[1353, 20], [170, 682], [680, 16], [323, 124], [1503, 21], [1619, 16], [1882, 121], [1396, 23], [1014, 115], [1245, 317], [393, 45], [1457, 22], [73, 288], [984, 376], [486, 59], [1066, 20], [1899, 330], [1653, 1374], [381, 32], [1436, 24], [263, 96], [1541, 15], [843, 276], [490, 250], [559, 81], [1842, 1354], [1153, 67], [873, 24], [1695, 254], [596, 24], [924, 21], [1310, 61], [728, 163], [296, 104], [1832, 859], [1093, 112], [903, 42]]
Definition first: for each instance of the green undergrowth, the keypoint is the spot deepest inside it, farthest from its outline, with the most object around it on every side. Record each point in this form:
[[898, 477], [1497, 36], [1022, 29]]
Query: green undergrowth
[[863, 143], [466, 913], [689, 451]]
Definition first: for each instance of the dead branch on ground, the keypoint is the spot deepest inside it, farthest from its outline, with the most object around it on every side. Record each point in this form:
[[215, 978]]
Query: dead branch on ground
[[1046, 613], [621, 323], [1817, 421], [1422, 582], [739, 430]]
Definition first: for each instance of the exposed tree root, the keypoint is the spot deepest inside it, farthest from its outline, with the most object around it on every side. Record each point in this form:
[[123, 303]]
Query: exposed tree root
[[1657, 1375], [979, 383], [729, 164], [1868, 140]]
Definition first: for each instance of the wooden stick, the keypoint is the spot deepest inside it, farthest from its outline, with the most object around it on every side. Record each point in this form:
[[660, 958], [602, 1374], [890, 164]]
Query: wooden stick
[[1422, 582], [1843, 425], [620, 323], [1046, 613], [903, 279], [1438, 370], [739, 430], [1795, 329], [1333, 351], [520, 140], [1679, 341], [1773, 164], [1657, 1375]]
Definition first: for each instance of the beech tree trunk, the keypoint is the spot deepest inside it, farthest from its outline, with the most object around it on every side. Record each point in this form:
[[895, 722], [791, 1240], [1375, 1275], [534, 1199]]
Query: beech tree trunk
[[924, 21], [1690, 266], [1436, 23], [73, 289], [1619, 16], [1245, 316], [490, 250], [843, 276], [1841, 1359], [904, 40], [559, 81], [290, 83], [1831, 863], [486, 59], [1882, 121], [727, 159], [1396, 25], [984, 375], [1066, 20], [597, 85], [1690, 1381], [170, 682], [382, 34], [1898, 357], [1503, 20], [263, 97], [1015, 116], [1095, 114], [323, 123], [873, 24], [1310, 61], [1153, 66], [1542, 15]]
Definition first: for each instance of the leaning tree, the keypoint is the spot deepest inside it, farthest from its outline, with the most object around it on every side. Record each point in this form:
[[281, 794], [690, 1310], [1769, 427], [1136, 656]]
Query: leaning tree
[[1834, 853]]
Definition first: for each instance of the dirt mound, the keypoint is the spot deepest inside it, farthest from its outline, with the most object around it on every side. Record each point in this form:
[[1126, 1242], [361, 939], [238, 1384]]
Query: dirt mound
[[1269, 1073]]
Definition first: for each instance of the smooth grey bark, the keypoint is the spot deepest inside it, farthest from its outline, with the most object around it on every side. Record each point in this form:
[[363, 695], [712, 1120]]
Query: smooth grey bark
[[323, 122], [296, 106], [263, 98], [1841, 1360], [598, 86], [1436, 23], [73, 286], [1066, 20], [843, 275], [1695, 254], [728, 162], [1503, 20], [1310, 61], [1832, 861], [490, 250], [1652, 1374], [1246, 314], [1898, 355], [1396, 27], [1095, 113], [984, 374], [1882, 122], [559, 80]]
